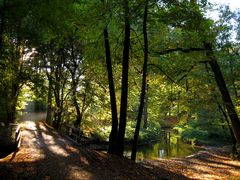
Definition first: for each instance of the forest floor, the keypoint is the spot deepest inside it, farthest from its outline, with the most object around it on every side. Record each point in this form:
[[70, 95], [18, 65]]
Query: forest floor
[[44, 154]]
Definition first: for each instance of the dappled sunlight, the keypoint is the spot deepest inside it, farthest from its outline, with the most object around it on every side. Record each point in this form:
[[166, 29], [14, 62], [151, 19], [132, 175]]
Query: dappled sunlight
[[29, 125], [46, 154], [77, 172], [210, 164], [53, 146], [30, 144]]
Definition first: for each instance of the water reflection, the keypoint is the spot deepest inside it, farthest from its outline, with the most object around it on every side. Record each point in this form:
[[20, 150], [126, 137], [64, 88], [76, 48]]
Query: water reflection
[[169, 145]]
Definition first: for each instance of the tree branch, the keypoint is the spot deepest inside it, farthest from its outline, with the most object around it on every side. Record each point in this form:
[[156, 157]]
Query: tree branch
[[167, 51], [154, 65]]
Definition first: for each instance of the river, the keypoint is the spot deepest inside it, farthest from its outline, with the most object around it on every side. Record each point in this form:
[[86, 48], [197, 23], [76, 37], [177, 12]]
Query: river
[[168, 146]]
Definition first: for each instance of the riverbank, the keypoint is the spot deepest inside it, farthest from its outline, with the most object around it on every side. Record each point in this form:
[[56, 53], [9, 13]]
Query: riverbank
[[210, 163]]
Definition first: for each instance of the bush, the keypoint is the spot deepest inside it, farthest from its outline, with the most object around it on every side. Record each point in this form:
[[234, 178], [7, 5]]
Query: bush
[[204, 133]]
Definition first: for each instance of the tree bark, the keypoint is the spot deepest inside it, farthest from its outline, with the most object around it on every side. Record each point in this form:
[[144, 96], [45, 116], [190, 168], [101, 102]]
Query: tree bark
[[145, 109], [49, 106], [143, 91], [124, 93], [84, 106], [114, 130], [234, 141], [224, 91], [77, 108]]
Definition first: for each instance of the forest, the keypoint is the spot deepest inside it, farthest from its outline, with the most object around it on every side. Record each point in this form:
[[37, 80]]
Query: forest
[[123, 72]]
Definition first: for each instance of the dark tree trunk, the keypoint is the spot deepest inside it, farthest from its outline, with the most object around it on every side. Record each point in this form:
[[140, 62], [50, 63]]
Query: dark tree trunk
[[83, 109], [49, 105], [57, 112], [57, 95], [49, 118], [145, 109], [234, 141], [224, 92], [114, 130], [124, 93], [143, 91], [77, 108]]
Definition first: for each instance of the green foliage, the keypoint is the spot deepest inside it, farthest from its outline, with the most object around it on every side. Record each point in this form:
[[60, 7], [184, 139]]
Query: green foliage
[[53, 34], [204, 131], [152, 132]]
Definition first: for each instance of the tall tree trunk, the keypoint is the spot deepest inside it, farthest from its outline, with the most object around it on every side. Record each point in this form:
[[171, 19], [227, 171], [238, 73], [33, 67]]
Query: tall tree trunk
[[124, 93], [57, 95], [77, 108], [57, 113], [143, 91], [49, 105], [145, 109], [224, 91], [234, 141], [114, 130], [83, 109]]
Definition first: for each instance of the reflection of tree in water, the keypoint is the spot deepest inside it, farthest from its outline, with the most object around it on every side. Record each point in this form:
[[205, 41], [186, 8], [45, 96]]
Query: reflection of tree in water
[[169, 145]]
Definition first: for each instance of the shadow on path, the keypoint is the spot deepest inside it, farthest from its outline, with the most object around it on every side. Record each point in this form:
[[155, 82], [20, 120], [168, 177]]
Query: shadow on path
[[44, 154]]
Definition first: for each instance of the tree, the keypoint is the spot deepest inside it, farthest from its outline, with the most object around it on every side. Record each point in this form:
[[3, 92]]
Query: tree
[[12, 51], [73, 62], [144, 84], [224, 91], [114, 130], [124, 88]]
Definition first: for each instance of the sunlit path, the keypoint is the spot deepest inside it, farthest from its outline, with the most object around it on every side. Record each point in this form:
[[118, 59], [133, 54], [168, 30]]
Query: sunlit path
[[43, 151], [44, 154]]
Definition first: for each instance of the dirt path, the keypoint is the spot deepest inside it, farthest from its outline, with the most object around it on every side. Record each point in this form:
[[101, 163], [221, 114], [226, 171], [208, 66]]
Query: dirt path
[[44, 154]]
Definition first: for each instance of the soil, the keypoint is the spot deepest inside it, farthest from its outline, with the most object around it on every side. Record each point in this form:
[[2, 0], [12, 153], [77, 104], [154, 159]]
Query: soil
[[44, 154]]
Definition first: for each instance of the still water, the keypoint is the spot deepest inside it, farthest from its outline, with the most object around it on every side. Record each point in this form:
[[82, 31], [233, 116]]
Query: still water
[[168, 146]]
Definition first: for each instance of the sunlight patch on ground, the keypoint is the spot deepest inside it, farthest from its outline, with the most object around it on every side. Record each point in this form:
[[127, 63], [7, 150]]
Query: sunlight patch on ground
[[84, 160], [40, 136], [52, 143], [58, 150], [77, 172], [29, 125]]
